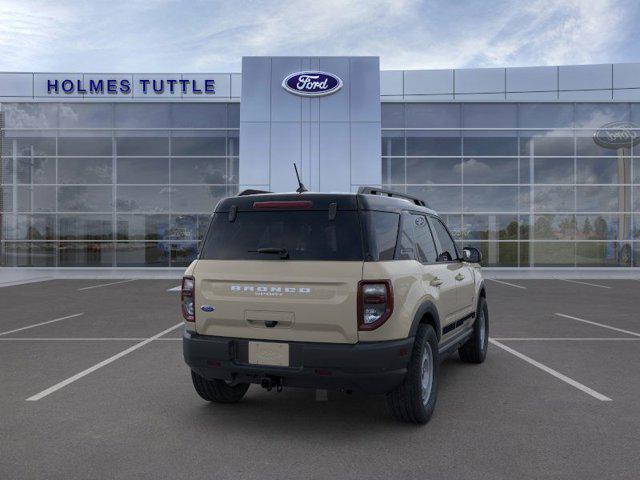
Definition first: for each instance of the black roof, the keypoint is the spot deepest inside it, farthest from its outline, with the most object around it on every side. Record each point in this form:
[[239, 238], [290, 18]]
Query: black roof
[[321, 201]]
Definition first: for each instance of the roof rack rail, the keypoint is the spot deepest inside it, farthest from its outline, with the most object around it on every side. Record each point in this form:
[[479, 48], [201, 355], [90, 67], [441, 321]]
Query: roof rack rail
[[251, 191], [391, 193]]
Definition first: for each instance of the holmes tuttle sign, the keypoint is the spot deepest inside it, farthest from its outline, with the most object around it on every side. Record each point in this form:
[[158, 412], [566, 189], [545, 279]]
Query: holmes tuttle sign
[[312, 83]]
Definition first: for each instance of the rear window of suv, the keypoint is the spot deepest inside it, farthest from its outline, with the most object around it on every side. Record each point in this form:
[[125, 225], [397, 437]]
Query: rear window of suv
[[304, 234]]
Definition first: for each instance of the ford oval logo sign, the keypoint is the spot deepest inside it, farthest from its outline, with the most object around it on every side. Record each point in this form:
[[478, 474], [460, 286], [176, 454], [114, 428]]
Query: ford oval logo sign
[[207, 308], [617, 135], [312, 83]]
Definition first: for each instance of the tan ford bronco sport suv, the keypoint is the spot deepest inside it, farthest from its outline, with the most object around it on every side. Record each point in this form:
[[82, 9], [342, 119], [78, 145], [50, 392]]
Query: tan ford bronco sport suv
[[354, 292]]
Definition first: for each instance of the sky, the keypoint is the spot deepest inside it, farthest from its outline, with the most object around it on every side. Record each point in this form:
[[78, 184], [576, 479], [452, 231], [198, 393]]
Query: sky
[[212, 36]]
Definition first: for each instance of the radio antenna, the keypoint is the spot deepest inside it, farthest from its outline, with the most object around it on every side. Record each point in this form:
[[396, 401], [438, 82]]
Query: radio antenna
[[301, 188]]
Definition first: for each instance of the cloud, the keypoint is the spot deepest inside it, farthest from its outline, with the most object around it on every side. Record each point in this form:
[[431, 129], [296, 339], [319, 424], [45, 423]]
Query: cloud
[[171, 36]]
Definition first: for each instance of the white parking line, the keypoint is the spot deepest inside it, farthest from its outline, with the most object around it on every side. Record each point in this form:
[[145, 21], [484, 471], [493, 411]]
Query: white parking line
[[107, 284], [571, 339], [89, 370], [97, 339], [551, 371], [41, 323], [584, 283], [507, 283], [629, 332], [175, 289]]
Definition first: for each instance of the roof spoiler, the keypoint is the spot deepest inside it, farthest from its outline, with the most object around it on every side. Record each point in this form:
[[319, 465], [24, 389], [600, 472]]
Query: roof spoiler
[[391, 193], [251, 191]]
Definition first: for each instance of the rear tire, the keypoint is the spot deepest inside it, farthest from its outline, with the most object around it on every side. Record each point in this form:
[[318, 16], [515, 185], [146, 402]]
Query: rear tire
[[218, 391], [475, 349], [415, 399]]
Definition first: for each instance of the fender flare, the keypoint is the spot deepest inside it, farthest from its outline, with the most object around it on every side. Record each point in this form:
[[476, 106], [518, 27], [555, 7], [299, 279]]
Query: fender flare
[[430, 308]]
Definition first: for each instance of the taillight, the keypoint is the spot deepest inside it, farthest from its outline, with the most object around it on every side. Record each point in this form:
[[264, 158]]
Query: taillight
[[187, 299], [375, 303]]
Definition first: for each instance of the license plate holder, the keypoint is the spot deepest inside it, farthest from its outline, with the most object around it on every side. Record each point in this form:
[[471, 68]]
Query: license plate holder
[[269, 353]]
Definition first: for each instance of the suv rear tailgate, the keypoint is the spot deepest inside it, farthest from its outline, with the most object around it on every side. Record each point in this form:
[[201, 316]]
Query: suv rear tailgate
[[288, 300]]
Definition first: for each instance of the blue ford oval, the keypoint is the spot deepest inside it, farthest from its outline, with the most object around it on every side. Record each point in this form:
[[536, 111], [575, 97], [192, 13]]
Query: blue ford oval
[[312, 83], [207, 308]]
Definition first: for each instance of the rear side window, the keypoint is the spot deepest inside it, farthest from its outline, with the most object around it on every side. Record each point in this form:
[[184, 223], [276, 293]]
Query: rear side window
[[447, 248], [304, 234], [425, 247], [382, 234]]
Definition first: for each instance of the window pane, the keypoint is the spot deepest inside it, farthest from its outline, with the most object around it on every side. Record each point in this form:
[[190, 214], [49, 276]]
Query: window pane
[[200, 170], [138, 254], [490, 170], [603, 170], [199, 115], [434, 170], [142, 115], [554, 227], [85, 170], [406, 247], [183, 253], [553, 254], [585, 145], [432, 115], [196, 199], [40, 254], [93, 146], [93, 115], [554, 199], [604, 227], [636, 170], [435, 143], [37, 199], [142, 170], [426, 251], [85, 199], [233, 114], [36, 170], [598, 114], [545, 115], [143, 199], [603, 254], [490, 227], [392, 143], [30, 115], [497, 254], [490, 199], [211, 145], [489, 145], [6, 199], [441, 199], [382, 230], [142, 146], [36, 227], [602, 199], [553, 170], [446, 244], [183, 227], [80, 254], [393, 171], [487, 115], [142, 227], [29, 146], [85, 227], [392, 115], [233, 143], [546, 144]]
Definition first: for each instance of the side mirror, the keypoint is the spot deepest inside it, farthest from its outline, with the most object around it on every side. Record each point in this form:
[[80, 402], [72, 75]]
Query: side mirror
[[471, 255]]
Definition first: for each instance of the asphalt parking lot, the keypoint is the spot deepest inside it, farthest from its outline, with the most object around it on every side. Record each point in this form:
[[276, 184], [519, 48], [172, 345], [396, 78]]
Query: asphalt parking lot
[[93, 385]]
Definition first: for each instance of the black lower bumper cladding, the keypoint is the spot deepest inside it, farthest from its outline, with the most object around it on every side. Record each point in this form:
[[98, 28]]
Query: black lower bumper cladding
[[369, 367]]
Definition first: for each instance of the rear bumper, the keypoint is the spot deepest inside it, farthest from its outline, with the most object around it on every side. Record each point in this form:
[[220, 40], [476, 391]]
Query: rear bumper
[[370, 367]]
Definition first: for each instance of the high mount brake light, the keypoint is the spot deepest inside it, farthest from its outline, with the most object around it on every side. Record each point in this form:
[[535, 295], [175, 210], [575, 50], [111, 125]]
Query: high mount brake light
[[187, 298], [284, 204], [375, 303]]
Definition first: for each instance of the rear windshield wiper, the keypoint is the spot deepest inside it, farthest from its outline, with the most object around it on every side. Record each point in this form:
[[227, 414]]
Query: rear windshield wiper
[[283, 252]]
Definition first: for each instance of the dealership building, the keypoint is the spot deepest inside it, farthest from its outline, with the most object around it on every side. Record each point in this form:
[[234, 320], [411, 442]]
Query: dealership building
[[535, 166]]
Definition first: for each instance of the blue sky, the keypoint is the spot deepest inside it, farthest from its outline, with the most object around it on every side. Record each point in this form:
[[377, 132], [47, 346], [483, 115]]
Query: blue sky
[[194, 36]]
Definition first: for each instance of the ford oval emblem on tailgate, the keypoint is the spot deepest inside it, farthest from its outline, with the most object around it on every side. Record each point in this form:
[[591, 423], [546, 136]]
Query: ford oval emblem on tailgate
[[207, 308]]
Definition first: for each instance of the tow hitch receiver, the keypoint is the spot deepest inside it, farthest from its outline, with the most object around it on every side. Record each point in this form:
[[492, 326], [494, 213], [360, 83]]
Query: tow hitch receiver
[[270, 382]]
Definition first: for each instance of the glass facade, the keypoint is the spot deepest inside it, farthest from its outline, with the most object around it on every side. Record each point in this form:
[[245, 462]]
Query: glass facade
[[524, 182], [118, 184], [112, 184]]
